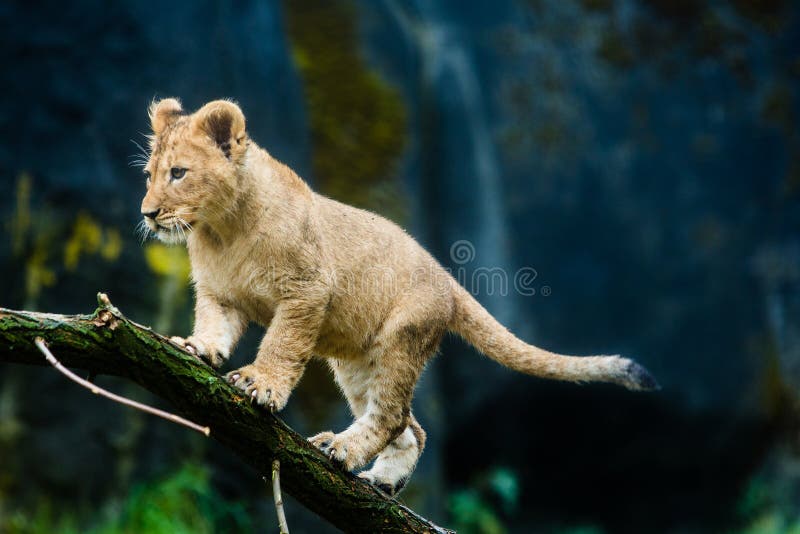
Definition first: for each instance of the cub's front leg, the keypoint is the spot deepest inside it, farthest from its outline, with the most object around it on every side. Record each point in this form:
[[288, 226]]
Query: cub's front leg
[[217, 328], [282, 357]]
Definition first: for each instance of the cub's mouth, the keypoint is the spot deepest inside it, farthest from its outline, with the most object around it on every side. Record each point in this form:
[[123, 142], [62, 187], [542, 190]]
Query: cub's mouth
[[170, 232]]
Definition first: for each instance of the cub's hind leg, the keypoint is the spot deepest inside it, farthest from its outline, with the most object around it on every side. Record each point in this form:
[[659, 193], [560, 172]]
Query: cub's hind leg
[[353, 377], [385, 415], [391, 369], [395, 464]]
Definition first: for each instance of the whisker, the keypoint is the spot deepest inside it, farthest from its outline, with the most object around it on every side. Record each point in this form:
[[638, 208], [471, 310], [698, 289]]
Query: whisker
[[142, 231], [180, 213], [185, 225], [141, 158], [142, 150]]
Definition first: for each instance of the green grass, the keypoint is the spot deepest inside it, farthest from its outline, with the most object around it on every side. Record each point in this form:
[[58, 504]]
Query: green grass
[[182, 503]]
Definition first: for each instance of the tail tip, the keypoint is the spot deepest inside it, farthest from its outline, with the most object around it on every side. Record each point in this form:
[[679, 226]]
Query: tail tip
[[637, 378]]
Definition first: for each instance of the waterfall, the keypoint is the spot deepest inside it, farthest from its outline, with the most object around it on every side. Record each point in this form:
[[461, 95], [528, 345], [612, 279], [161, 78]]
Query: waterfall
[[446, 63]]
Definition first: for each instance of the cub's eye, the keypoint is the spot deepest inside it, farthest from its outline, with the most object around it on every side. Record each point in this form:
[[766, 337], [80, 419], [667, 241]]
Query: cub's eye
[[147, 178], [176, 173]]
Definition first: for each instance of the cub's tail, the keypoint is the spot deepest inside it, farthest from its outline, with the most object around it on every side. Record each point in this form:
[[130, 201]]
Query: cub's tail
[[472, 322]]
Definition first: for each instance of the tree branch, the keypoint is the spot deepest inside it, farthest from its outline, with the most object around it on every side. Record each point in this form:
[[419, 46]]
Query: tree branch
[[108, 343]]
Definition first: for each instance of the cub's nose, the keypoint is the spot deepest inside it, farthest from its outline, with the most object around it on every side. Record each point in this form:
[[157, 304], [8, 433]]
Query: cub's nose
[[151, 214]]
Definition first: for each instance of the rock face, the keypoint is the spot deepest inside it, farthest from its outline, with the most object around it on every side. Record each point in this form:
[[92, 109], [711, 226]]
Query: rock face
[[604, 176]]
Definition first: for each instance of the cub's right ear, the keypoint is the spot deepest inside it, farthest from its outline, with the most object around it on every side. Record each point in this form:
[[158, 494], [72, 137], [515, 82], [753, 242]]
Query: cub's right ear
[[223, 122], [163, 113]]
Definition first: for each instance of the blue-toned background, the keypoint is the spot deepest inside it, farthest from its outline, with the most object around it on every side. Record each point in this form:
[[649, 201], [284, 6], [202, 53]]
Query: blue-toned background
[[642, 156]]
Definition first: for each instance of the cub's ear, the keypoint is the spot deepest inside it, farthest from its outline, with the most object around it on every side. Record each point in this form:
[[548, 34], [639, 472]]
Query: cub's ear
[[163, 113], [223, 122]]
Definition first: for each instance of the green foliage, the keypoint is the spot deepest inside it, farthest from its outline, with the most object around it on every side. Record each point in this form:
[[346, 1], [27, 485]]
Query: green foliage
[[772, 522], [472, 514], [42, 520], [504, 483], [171, 265], [584, 529], [21, 220], [89, 238], [767, 508], [475, 510], [182, 503], [493, 496], [38, 232]]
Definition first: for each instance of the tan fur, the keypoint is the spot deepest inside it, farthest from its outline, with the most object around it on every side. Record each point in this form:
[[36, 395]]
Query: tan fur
[[324, 278]]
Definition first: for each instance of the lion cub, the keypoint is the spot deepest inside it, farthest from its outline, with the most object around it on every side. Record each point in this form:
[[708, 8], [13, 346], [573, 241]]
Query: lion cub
[[324, 278]]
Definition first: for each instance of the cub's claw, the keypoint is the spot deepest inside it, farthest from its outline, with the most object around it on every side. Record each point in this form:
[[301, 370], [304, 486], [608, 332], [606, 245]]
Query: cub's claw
[[383, 485], [199, 350], [331, 446], [258, 387], [185, 345], [270, 404], [265, 399]]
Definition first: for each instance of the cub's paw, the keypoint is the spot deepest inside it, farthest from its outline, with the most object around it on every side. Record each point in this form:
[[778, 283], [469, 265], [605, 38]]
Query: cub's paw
[[389, 487], [197, 348], [331, 446], [258, 387]]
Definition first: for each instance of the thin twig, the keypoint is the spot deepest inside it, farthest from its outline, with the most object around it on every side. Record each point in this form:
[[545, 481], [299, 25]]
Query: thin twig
[[276, 493], [42, 346]]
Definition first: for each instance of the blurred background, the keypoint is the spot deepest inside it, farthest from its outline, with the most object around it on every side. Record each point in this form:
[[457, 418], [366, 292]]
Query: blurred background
[[638, 159]]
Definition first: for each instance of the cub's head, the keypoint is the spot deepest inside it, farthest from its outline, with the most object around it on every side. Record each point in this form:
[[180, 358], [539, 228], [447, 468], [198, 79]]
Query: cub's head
[[192, 172]]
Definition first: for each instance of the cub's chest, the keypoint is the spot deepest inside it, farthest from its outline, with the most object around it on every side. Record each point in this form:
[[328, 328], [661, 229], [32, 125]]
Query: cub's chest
[[233, 274]]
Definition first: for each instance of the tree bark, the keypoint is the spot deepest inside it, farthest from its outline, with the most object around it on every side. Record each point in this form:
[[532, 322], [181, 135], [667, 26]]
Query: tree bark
[[106, 342]]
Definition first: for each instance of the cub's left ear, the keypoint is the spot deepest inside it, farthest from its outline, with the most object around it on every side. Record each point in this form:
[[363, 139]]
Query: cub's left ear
[[163, 113], [223, 122]]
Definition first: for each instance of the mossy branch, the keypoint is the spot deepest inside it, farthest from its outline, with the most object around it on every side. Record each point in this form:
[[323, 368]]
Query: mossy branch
[[106, 342]]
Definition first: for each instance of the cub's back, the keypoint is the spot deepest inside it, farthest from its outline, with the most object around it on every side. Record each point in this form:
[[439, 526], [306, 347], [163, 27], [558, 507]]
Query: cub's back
[[377, 268], [360, 242]]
